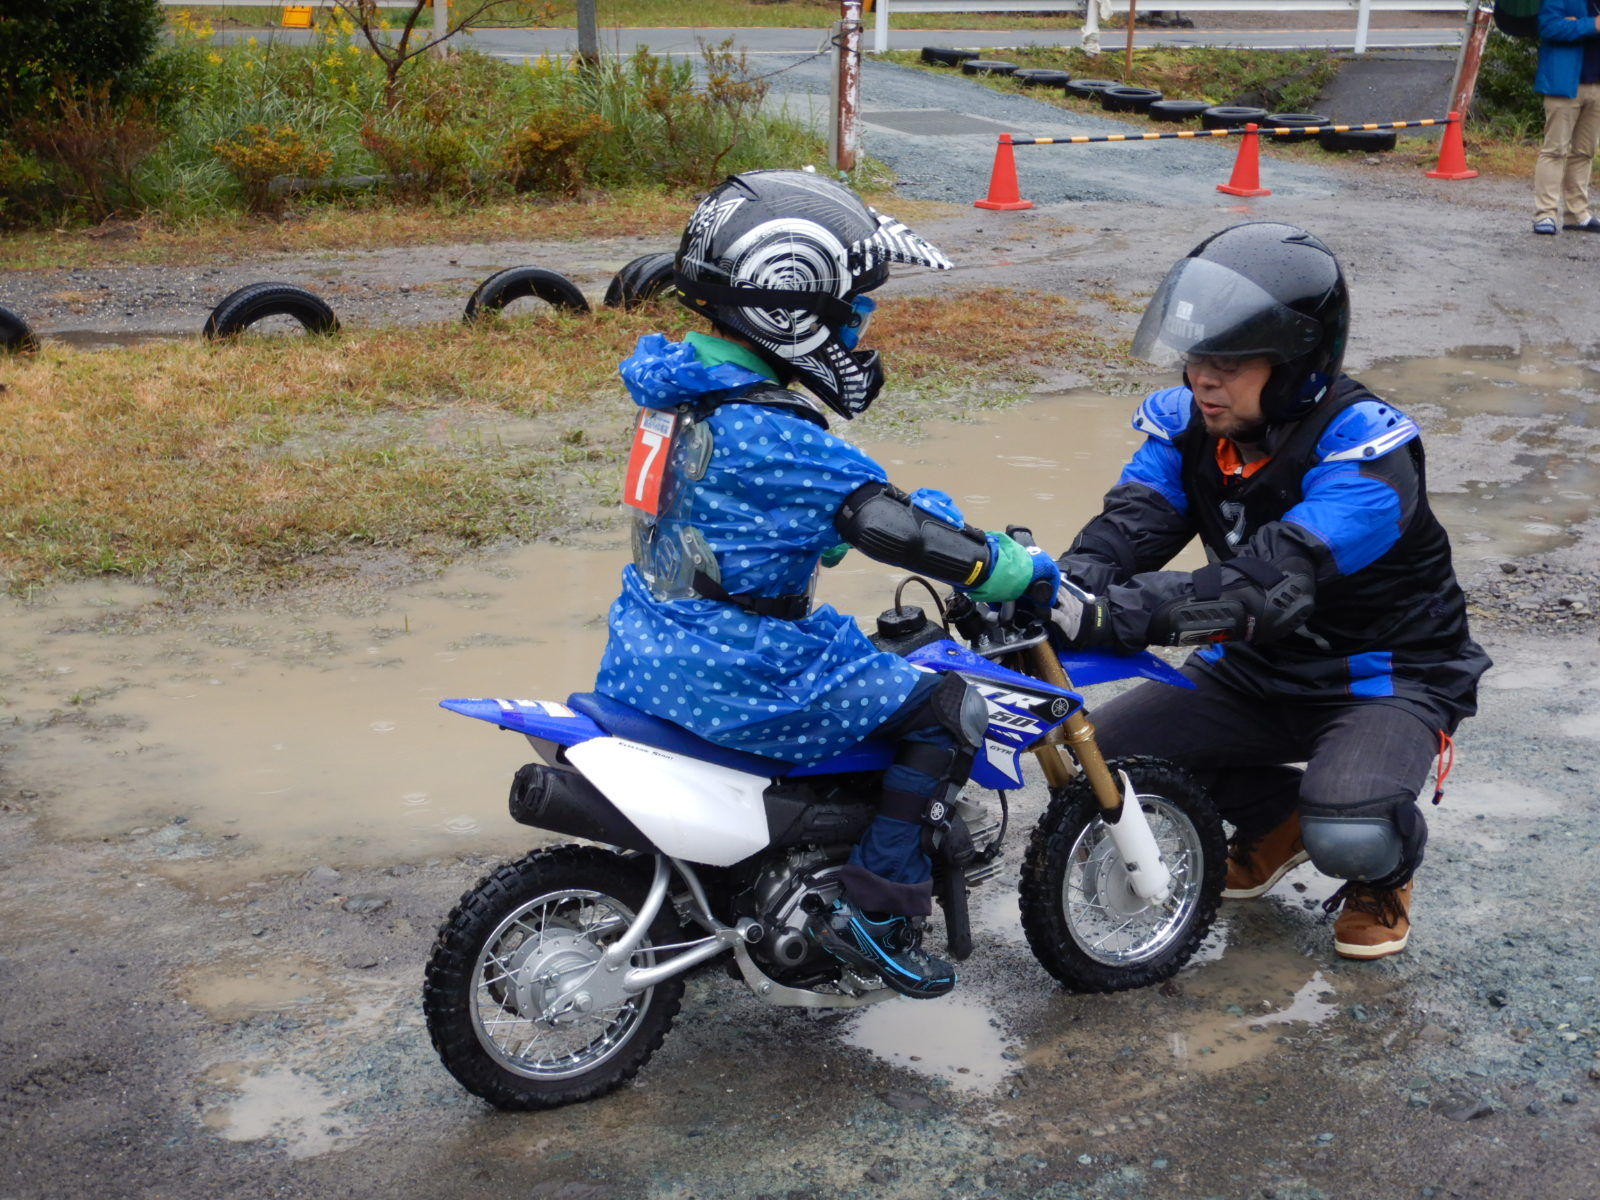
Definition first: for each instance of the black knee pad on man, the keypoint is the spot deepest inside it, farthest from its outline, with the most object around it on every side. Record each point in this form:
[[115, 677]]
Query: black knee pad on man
[[1366, 844]]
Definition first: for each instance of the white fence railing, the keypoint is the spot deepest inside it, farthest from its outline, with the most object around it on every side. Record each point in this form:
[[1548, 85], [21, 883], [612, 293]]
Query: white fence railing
[[1099, 9]]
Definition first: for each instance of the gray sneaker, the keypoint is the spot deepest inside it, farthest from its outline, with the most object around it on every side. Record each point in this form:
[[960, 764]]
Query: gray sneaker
[[1545, 225]]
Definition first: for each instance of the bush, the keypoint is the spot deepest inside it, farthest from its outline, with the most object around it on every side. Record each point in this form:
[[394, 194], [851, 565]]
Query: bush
[[552, 152], [91, 144], [258, 155], [465, 127], [50, 45], [422, 153], [1506, 104]]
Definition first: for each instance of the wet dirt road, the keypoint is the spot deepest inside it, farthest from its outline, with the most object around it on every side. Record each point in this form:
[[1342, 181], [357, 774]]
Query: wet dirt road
[[228, 834]]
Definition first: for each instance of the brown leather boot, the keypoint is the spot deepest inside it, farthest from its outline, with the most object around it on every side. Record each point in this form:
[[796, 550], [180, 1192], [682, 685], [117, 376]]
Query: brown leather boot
[[1256, 863], [1373, 922]]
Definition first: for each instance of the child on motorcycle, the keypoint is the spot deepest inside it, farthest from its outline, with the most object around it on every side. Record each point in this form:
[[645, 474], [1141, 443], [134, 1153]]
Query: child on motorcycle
[[741, 492]]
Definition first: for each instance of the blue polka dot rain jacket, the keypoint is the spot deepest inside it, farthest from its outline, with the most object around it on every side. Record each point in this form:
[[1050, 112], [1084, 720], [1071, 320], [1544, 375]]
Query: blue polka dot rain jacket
[[799, 691]]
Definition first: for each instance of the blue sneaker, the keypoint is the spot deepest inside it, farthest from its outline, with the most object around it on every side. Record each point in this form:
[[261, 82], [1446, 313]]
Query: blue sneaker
[[890, 948], [1545, 225]]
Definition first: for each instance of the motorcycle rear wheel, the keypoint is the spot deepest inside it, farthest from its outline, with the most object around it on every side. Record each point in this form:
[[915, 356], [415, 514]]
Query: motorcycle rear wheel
[[501, 959], [1083, 921]]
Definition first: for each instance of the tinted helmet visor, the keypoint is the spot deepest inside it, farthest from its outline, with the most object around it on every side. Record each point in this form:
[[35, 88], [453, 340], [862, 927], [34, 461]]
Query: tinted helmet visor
[[1205, 309]]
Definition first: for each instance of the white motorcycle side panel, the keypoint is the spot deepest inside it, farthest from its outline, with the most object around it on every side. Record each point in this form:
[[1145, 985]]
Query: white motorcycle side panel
[[693, 810]]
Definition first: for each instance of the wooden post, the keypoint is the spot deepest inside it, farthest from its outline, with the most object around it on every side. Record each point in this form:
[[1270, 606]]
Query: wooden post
[[1127, 62], [588, 32], [844, 137], [1472, 44]]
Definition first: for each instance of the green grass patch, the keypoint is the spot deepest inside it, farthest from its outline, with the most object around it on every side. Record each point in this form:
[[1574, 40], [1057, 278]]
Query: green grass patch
[[1278, 80], [265, 127], [250, 463]]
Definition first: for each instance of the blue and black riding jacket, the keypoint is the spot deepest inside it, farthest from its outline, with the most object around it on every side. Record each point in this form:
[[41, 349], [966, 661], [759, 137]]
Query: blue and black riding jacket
[[1337, 518]]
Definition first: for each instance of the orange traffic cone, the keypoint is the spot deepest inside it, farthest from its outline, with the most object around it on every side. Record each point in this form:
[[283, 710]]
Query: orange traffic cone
[[1246, 178], [1453, 153], [1004, 194]]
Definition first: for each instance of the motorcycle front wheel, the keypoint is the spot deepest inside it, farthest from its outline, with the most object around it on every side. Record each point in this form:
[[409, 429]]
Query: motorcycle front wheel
[[514, 1004], [1083, 920]]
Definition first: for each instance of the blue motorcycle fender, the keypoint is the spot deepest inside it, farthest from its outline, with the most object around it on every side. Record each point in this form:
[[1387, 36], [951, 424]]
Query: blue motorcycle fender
[[1089, 667], [542, 719]]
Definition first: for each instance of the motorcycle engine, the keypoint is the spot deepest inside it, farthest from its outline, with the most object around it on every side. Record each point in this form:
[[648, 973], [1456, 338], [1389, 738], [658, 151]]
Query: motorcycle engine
[[784, 895]]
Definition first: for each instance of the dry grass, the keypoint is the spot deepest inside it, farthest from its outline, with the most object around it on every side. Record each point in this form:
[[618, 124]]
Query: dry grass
[[239, 465], [233, 238]]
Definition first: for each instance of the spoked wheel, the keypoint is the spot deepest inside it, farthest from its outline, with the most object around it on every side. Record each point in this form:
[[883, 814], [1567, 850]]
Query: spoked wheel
[[1083, 920], [517, 1003]]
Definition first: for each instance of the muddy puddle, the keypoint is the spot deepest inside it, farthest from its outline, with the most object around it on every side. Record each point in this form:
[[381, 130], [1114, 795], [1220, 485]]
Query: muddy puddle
[[1513, 467], [291, 736]]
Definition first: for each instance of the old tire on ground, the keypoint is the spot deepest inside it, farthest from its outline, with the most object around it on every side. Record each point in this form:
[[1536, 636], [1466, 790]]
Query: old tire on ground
[[488, 972], [645, 278], [1176, 111], [1072, 870], [939, 56], [1372, 141], [515, 283], [1128, 99], [15, 335], [254, 302], [1088, 89], [1295, 120], [1231, 116], [987, 66], [1041, 77]]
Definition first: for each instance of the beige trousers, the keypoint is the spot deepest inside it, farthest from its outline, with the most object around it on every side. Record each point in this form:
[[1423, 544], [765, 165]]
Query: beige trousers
[[1571, 131]]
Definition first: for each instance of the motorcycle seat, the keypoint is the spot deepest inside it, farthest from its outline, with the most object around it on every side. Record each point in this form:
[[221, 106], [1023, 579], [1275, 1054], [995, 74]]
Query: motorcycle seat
[[624, 721]]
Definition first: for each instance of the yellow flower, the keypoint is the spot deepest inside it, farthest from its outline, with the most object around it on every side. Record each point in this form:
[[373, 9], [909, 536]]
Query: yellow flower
[[251, 41]]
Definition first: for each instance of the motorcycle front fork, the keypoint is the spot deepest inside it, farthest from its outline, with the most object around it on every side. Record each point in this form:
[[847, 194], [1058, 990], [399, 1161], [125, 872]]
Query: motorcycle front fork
[[1120, 810]]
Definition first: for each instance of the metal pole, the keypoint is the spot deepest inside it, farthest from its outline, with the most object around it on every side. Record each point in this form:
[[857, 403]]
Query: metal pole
[[588, 32], [880, 27], [1127, 62], [844, 134], [1477, 36], [1363, 23]]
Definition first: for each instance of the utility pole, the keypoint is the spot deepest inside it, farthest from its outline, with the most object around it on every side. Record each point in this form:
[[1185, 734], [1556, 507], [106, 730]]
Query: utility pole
[[1473, 41], [588, 32], [844, 136]]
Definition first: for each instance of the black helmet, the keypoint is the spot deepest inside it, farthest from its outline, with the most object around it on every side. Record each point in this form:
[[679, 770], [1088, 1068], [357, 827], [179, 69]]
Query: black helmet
[[1262, 289], [784, 259]]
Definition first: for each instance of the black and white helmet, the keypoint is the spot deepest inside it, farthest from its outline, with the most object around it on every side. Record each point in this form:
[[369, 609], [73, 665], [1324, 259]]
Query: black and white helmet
[[784, 259]]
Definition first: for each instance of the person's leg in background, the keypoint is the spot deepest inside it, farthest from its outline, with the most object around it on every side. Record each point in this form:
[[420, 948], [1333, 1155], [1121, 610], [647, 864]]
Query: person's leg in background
[[1549, 172], [1580, 161]]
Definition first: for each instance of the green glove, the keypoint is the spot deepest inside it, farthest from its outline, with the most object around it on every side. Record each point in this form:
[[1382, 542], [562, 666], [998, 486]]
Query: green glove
[[1010, 572], [832, 558]]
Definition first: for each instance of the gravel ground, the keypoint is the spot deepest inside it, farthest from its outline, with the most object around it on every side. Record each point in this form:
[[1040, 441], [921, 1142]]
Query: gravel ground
[[183, 1015]]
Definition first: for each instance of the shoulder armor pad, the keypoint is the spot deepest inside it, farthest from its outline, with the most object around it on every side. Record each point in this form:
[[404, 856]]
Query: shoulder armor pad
[[1164, 414], [1367, 429]]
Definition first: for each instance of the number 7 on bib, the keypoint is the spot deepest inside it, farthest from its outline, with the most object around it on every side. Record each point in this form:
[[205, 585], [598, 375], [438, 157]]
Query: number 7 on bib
[[652, 443]]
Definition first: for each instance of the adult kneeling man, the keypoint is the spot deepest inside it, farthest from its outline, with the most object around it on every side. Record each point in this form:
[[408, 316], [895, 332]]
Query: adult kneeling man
[[1330, 626]]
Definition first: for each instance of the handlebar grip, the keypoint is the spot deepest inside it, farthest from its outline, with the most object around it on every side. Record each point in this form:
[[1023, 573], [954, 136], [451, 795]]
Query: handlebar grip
[[1020, 534]]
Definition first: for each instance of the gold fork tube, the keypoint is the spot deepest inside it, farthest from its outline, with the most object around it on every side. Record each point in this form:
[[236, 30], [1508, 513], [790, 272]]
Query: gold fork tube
[[1077, 731]]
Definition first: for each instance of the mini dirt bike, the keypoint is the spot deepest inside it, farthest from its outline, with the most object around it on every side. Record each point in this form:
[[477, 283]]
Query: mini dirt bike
[[555, 979]]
